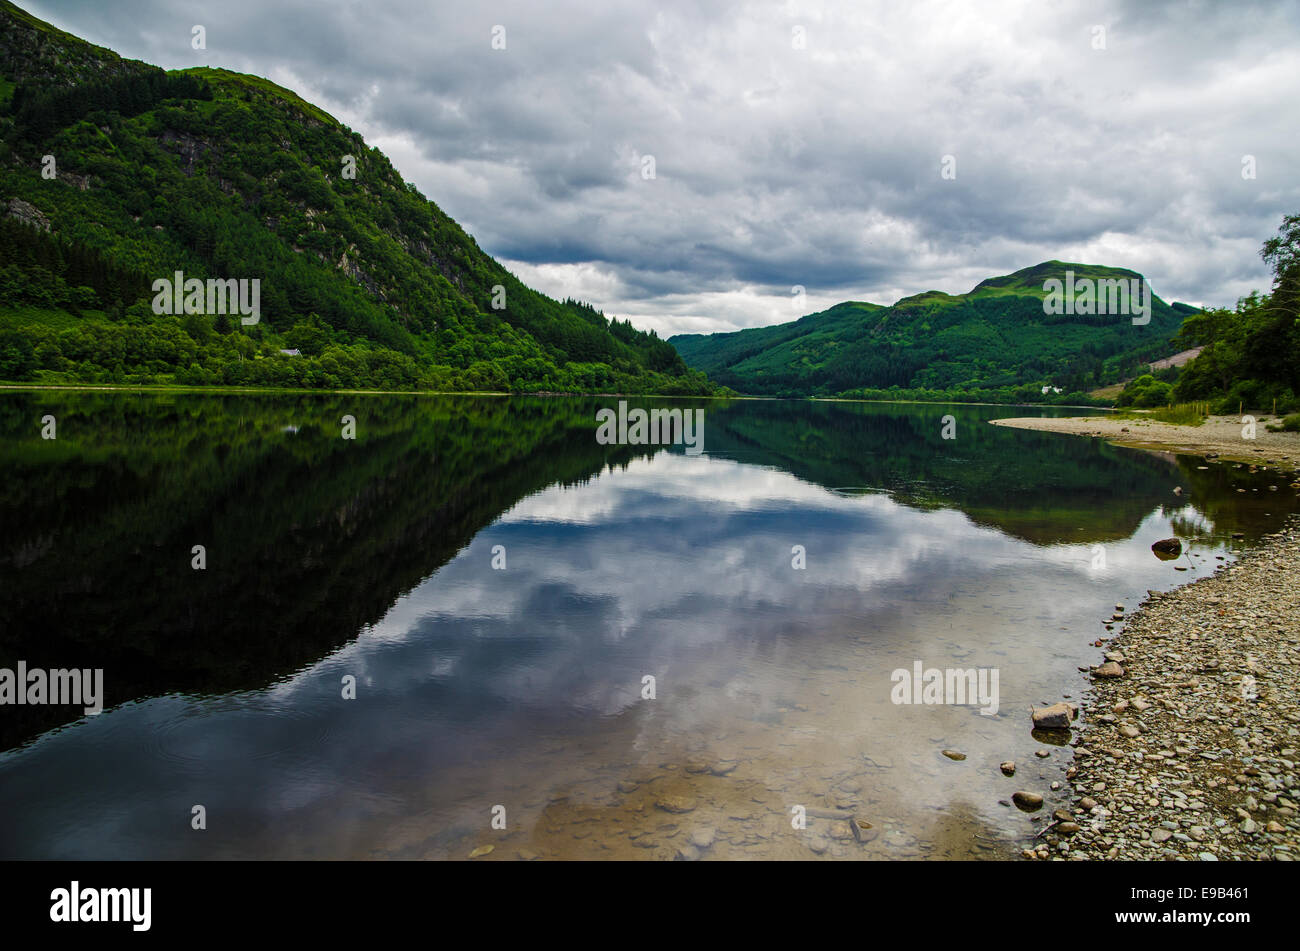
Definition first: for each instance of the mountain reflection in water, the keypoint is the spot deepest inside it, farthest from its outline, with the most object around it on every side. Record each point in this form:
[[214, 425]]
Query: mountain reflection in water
[[526, 686]]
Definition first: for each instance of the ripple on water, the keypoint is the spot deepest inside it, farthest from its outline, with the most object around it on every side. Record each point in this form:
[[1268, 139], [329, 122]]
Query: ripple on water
[[252, 728]]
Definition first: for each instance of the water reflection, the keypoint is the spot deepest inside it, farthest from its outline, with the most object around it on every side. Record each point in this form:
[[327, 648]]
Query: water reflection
[[525, 686]]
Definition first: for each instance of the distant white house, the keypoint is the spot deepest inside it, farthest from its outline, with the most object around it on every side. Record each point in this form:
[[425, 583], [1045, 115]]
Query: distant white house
[[1054, 389], [297, 353]]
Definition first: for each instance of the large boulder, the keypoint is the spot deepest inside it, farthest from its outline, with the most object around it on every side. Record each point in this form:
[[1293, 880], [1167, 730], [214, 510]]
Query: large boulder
[[1167, 548], [1055, 717]]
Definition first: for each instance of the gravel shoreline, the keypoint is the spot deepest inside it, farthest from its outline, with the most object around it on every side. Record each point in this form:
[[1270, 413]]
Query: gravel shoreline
[[1191, 753], [1220, 435]]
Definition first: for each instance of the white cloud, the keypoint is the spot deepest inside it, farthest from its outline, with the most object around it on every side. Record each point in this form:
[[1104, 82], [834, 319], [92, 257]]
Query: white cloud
[[777, 166]]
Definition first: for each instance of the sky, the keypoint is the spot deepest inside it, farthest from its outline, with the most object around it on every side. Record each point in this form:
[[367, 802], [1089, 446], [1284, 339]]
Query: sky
[[709, 165]]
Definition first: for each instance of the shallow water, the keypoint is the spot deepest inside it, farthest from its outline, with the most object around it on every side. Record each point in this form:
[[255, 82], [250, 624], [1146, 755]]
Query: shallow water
[[519, 692]]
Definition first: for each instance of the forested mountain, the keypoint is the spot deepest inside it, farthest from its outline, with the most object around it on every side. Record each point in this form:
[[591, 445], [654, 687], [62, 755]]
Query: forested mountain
[[115, 174], [995, 342]]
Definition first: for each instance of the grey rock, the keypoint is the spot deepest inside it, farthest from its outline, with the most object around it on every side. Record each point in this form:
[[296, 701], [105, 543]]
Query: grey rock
[[1055, 717]]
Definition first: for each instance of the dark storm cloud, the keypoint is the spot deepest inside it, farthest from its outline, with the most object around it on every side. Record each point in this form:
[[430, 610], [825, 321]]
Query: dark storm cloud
[[777, 166]]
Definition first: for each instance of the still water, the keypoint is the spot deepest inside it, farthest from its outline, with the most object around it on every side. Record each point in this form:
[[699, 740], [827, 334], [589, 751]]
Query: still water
[[473, 615]]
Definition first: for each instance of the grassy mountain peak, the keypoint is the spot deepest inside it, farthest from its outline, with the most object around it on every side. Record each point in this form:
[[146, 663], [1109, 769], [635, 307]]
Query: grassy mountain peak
[[1030, 280]]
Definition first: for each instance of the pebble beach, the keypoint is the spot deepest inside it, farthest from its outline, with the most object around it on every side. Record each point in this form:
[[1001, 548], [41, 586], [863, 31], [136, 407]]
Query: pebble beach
[[1220, 436], [1186, 744]]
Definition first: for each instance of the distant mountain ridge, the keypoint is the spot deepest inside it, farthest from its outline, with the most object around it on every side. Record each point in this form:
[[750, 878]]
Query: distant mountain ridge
[[115, 173], [995, 338]]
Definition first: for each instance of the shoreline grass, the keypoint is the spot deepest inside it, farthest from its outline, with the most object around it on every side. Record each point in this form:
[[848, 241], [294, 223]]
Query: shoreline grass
[[1181, 414]]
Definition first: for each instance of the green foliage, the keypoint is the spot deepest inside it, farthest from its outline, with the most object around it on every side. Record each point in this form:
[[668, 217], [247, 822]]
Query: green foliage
[[987, 343], [1251, 354], [1144, 392], [1003, 395], [37, 113], [221, 175], [1289, 424]]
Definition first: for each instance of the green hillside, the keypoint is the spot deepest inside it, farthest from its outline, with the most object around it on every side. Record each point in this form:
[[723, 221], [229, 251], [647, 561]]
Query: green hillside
[[995, 341], [225, 176]]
